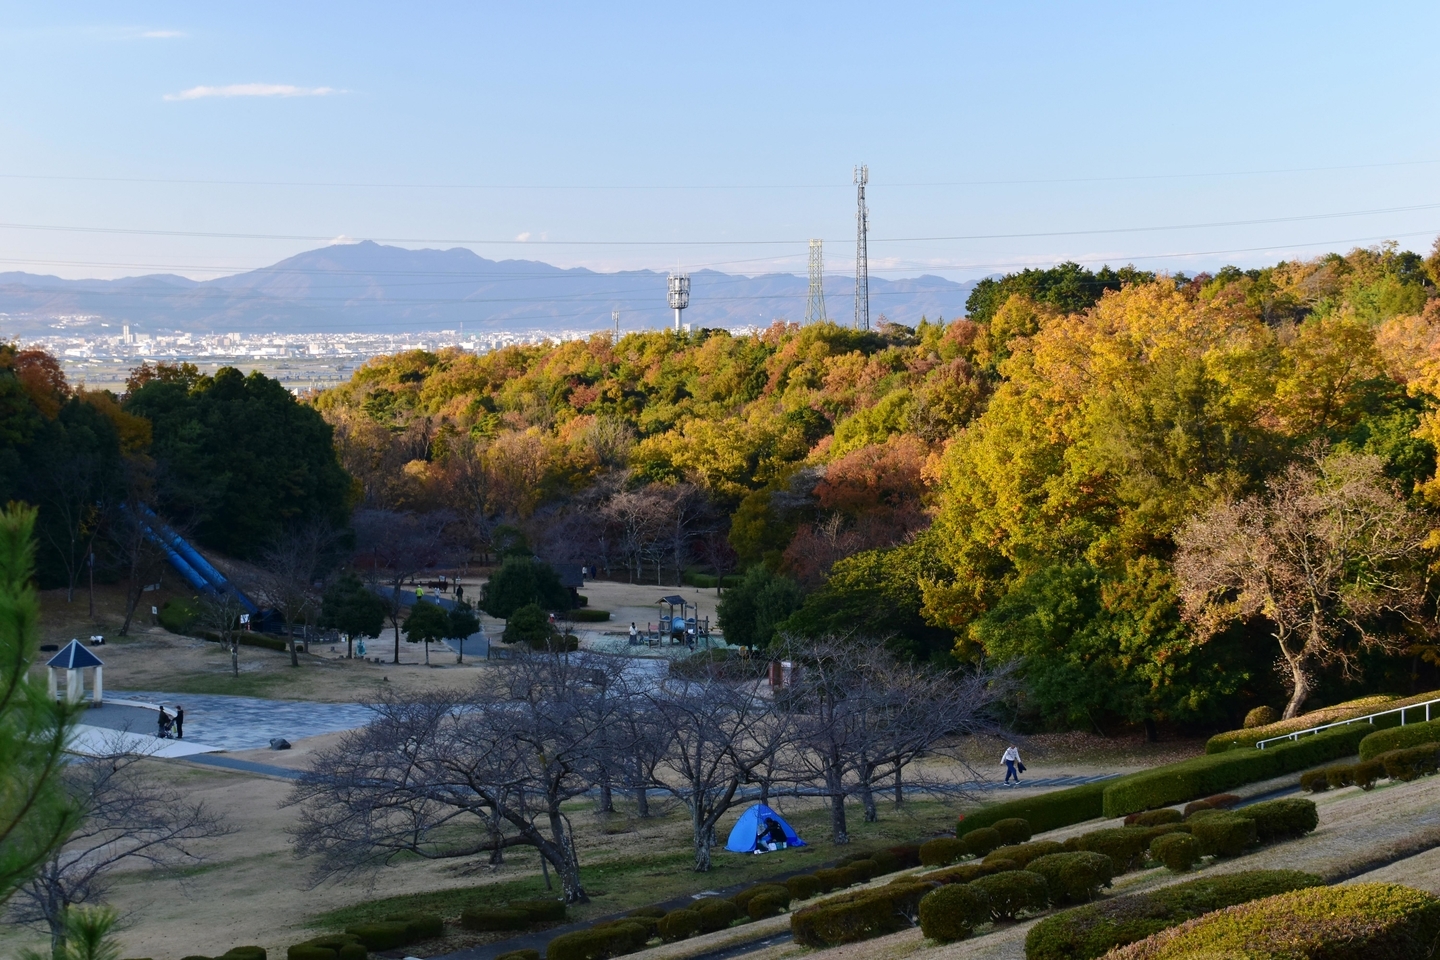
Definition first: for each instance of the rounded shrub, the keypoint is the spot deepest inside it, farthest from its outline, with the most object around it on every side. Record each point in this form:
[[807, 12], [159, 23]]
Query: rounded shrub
[[1224, 836], [678, 924], [1282, 819], [716, 913], [419, 926], [866, 869], [887, 862], [979, 842], [944, 851], [1013, 830], [768, 904], [611, 940], [743, 898], [803, 887], [1155, 818], [952, 913], [1073, 877], [1316, 781], [304, 951], [1340, 775], [352, 951], [1125, 846], [1023, 853], [385, 935], [653, 912], [907, 855], [526, 954], [1007, 895], [963, 873], [243, 953], [490, 919], [1261, 717], [1178, 851]]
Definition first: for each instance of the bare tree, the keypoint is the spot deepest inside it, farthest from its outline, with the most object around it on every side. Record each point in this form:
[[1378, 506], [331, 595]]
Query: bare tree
[[391, 547], [455, 775], [860, 716], [1330, 554], [129, 818], [291, 565], [720, 734], [221, 613], [74, 498], [688, 512], [130, 539]]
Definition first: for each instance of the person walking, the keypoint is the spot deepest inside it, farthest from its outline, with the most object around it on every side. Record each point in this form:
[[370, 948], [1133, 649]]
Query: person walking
[[164, 722], [179, 722], [459, 592], [634, 634], [1013, 766]]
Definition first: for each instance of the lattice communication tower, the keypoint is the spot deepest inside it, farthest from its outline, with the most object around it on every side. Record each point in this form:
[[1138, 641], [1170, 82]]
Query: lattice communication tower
[[815, 303], [862, 266]]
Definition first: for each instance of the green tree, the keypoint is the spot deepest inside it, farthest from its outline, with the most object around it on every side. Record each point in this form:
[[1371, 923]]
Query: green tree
[[522, 581], [353, 609], [427, 623], [529, 625], [36, 815], [463, 623], [751, 612], [242, 459]]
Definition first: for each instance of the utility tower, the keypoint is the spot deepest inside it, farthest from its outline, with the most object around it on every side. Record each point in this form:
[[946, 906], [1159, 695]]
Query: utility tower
[[815, 304], [679, 295], [615, 319], [862, 266]]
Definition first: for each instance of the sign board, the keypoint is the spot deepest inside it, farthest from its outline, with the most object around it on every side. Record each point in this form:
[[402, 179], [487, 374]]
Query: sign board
[[154, 611], [244, 618]]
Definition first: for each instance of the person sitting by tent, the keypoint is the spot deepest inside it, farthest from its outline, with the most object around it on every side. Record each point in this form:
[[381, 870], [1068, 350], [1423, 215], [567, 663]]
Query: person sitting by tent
[[761, 830]]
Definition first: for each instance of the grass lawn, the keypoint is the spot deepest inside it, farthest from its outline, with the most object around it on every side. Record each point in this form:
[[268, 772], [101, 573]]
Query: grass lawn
[[644, 871]]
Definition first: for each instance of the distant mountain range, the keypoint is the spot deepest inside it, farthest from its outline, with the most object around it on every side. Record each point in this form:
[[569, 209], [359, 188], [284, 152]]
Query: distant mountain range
[[371, 287]]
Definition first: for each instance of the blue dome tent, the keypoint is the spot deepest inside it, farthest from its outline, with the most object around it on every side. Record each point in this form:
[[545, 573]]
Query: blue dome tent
[[754, 832]]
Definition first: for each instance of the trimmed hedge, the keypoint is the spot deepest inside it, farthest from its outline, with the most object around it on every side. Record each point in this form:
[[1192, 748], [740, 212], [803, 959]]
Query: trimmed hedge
[[1281, 819], [1013, 830], [768, 904], [1397, 738], [1009, 894], [1048, 811], [1366, 921], [965, 873], [679, 924], [948, 850], [836, 878], [540, 911], [1247, 738], [520, 955], [1189, 779], [716, 913], [1409, 763], [1023, 853], [491, 919], [977, 843], [1154, 818], [803, 887], [385, 935], [859, 916], [1085, 933], [1224, 834], [907, 855], [419, 926], [1073, 877], [743, 898], [952, 913], [653, 912], [587, 615], [1178, 851], [866, 870], [1125, 846], [598, 943]]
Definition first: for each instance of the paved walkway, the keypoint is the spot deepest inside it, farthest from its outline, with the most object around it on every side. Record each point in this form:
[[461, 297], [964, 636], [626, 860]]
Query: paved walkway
[[246, 766], [246, 723]]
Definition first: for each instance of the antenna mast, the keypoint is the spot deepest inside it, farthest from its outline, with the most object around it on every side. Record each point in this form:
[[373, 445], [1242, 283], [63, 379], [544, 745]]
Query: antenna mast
[[862, 266], [679, 295], [615, 319], [815, 305]]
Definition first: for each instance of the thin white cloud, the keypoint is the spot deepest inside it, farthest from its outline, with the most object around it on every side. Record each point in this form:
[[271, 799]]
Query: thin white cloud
[[252, 90], [162, 34], [522, 237]]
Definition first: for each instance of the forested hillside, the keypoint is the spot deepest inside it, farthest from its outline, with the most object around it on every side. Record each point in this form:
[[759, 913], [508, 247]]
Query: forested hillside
[[1161, 499], [1007, 486]]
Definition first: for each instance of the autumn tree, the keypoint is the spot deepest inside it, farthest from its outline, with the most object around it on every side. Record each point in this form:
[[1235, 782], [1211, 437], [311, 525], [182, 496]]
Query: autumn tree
[[1329, 555]]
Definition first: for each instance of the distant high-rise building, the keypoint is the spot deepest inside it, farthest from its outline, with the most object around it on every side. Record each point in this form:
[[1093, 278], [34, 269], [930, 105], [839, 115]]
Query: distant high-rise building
[[125, 336]]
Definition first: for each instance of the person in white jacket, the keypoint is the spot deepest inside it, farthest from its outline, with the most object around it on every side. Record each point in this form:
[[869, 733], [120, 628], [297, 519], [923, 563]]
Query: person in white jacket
[[1013, 766]]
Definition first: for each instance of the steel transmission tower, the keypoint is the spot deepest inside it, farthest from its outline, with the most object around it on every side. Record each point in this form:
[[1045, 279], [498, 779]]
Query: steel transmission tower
[[679, 295], [815, 304], [862, 266]]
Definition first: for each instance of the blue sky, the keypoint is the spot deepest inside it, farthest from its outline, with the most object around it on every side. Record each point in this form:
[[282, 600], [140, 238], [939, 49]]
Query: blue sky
[[718, 135]]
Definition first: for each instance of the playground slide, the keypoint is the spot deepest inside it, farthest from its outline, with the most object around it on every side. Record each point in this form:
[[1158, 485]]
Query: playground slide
[[187, 561]]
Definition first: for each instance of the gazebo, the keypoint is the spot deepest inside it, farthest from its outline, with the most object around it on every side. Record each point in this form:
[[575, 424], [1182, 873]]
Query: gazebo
[[75, 659]]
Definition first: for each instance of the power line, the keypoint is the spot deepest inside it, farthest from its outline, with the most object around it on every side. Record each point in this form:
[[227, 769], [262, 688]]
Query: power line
[[129, 231]]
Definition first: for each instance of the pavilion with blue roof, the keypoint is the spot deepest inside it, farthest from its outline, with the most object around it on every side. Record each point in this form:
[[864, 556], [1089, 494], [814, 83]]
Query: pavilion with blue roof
[[75, 659]]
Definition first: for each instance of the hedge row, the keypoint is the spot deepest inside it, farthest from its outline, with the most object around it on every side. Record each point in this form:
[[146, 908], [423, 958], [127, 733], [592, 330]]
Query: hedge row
[[516, 915], [859, 916], [1404, 765], [587, 615], [1383, 921], [1084, 933], [1397, 738], [1049, 811], [335, 946], [1214, 773], [1246, 738], [235, 953]]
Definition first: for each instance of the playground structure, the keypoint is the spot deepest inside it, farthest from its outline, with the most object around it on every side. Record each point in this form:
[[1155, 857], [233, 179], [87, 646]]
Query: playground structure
[[199, 572], [693, 630]]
